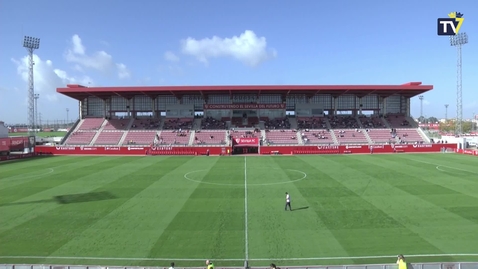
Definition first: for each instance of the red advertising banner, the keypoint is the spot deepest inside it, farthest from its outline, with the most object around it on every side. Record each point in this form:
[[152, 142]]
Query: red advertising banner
[[13, 143], [244, 106], [317, 149], [252, 141], [468, 152], [4, 144]]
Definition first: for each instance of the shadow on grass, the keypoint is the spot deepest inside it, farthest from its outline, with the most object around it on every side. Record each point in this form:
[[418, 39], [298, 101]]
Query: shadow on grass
[[300, 208], [70, 199]]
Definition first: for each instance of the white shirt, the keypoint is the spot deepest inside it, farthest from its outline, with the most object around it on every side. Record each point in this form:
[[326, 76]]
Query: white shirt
[[287, 198]]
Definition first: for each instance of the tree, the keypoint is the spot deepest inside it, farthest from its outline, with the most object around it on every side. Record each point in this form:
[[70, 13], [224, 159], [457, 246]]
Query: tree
[[449, 126], [432, 120]]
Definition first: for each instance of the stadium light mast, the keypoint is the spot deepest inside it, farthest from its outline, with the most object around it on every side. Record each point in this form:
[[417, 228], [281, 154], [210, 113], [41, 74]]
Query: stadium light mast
[[31, 44], [446, 112], [458, 41], [36, 96], [421, 106], [67, 115]]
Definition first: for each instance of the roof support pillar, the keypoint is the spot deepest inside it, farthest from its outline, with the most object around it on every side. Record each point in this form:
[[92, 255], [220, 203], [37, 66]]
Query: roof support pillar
[[360, 105], [105, 115], [384, 105], [336, 104], [153, 107]]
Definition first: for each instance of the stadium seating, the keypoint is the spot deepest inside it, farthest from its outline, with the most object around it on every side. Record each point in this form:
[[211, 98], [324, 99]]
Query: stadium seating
[[371, 122], [91, 124], [80, 138], [409, 136], [146, 124], [116, 124], [397, 121], [174, 137], [252, 121], [236, 121], [207, 137], [350, 136], [276, 124], [176, 124], [381, 136], [317, 136], [311, 123], [108, 138], [281, 137], [343, 122], [213, 124], [139, 137], [244, 133]]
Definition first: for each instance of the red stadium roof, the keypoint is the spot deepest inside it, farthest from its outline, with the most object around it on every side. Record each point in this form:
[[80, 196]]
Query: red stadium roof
[[80, 92]]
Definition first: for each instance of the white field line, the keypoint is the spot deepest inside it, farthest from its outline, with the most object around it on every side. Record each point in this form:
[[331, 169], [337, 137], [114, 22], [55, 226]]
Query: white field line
[[257, 259], [246, 229], [445, 166]]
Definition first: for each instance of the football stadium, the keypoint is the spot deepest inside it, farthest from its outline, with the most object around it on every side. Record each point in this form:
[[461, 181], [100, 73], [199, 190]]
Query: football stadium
[[148, 176]]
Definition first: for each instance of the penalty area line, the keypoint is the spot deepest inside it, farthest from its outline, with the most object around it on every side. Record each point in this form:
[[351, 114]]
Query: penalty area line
[[257, 259]]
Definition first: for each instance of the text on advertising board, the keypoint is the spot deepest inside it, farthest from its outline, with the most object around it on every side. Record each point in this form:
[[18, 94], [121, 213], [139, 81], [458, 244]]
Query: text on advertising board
[[245, 106]]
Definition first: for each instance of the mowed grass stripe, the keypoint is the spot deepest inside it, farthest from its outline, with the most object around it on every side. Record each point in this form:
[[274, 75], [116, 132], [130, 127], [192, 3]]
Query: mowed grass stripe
[[57, 227], [29, 182], [148, 212], [43, 197], [363, 220], [273, 232], [211, 223], [412, 182], [450, 205], [411, 211], [454, 163], [11, 168]]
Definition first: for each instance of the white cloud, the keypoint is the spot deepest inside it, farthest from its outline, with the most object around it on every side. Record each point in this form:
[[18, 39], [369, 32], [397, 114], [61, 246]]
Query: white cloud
[[426, 102], [47, 77], [171, 57], [123, 72], [99, 60], [247, 48]]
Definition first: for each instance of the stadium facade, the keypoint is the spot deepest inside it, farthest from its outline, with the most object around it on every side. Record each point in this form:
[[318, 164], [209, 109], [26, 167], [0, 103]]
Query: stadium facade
[[244, 119]]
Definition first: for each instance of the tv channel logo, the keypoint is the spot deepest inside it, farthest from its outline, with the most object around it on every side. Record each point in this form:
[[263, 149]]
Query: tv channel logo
[[451, 25]]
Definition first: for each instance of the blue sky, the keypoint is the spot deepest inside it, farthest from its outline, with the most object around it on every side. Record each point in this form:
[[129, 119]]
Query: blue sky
[[109, 42]]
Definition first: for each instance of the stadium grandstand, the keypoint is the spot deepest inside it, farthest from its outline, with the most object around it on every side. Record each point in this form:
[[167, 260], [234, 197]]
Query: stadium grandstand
[[225, 115]]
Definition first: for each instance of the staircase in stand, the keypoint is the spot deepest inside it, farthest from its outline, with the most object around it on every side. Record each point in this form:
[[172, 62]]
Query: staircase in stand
[[384, 121], [123, 137], [300, 141], [192, 135], [93, 141], [334, 138], [369, 140]]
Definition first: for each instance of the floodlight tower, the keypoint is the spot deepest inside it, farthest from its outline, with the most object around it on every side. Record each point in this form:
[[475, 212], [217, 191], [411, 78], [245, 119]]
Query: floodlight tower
[[421, 105], [36, 97], [31, 44], [446, 112], [67, 116], [458, 41]]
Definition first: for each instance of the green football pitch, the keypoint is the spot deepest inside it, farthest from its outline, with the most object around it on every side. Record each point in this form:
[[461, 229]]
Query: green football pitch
[[150, 211]]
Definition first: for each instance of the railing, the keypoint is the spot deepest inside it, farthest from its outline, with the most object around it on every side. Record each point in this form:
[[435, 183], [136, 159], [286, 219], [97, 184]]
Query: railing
[[443, 265]]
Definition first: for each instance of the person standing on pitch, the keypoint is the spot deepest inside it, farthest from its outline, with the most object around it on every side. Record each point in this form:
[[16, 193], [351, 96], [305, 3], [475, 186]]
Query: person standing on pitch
[[287, 201]]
